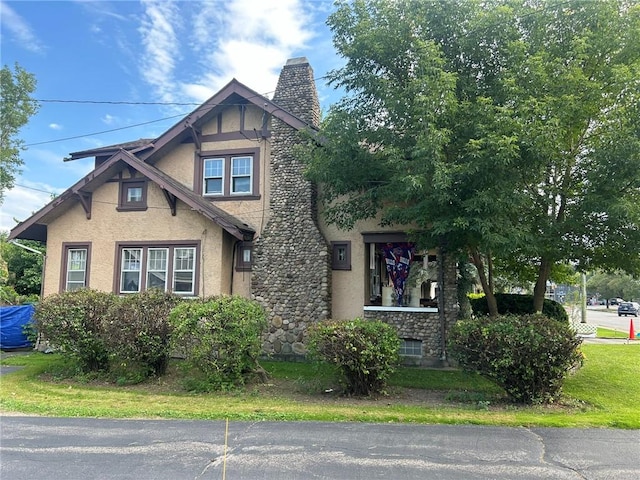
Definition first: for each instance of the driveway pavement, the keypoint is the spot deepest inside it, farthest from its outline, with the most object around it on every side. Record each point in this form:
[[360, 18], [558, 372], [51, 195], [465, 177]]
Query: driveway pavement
[[69, 448]]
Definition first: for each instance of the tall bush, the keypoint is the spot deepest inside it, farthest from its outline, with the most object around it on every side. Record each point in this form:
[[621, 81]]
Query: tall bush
[[74, 323], [220, 338], [527, 355], [138, 333], [517, 304], [365, 352]]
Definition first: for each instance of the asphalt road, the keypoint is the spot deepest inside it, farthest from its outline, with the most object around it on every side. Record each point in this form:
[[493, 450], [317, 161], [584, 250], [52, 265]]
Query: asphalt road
[[609, 318], [67, 448]]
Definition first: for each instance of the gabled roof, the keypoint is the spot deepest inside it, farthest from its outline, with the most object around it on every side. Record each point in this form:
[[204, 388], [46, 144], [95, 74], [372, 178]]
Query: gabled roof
[[233, 92], [142, 154], [34, 228]]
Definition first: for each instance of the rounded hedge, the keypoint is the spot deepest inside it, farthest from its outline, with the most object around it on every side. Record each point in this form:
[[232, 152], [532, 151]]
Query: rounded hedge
[[527, 355], [517, 304]]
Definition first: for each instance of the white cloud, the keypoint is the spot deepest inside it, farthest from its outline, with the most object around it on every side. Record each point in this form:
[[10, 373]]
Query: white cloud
[[55, 126], [19, 29], [108, 119], [23, 200], [253, 39], [161, 45], [249, 40]]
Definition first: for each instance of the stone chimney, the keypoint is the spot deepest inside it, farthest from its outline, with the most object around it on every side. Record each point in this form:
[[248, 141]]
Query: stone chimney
[[292, 271]]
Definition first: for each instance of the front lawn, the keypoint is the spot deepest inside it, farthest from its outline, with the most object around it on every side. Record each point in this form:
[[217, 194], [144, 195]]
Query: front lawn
[[604, 393]]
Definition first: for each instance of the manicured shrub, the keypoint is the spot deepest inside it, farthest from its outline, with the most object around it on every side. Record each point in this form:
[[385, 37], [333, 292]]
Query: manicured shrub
[[73, 323], [138, 334], [527, 355], [220, 338], [365, 352], [516, 304]]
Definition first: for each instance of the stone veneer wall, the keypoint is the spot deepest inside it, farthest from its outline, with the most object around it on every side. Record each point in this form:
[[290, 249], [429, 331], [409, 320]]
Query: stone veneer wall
[[425, 326], [291, 273]]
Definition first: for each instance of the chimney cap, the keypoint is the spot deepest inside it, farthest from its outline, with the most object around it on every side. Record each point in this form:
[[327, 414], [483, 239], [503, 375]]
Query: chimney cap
[[297, 61]]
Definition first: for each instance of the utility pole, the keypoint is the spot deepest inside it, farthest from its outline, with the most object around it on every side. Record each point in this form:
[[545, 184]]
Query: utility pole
[[583, 302]]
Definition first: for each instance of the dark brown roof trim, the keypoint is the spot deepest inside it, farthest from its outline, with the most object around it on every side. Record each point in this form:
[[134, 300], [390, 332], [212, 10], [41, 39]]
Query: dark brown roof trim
[[33, 229], [133, 147]]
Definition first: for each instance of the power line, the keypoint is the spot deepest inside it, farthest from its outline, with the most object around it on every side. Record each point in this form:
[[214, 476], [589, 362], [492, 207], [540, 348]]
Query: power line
[[105, 131], [118, 102]]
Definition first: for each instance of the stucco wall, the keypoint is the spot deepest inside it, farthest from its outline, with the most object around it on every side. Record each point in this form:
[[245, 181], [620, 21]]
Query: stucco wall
[[108, 226]]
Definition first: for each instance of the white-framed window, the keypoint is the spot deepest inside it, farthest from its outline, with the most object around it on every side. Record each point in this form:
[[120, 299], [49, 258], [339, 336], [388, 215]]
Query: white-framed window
[[131, 270], [171, 267], [76, 276], [222, 175], [184, 271], [241, 175], [213, 171], [157, 267]]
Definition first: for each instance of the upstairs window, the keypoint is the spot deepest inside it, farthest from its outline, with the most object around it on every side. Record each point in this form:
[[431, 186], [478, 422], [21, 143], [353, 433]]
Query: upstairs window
[[228, 175], [133, 195], [241, 178], [213, 176]]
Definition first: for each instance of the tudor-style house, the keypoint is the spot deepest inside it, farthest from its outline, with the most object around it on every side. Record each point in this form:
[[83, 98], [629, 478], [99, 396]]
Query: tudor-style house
[[219, 204]]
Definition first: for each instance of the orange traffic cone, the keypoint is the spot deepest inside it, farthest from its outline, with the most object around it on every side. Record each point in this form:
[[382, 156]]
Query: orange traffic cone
[[632, 333]]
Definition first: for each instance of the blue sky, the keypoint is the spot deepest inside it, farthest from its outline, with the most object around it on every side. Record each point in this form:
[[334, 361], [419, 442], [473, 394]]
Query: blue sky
[[141, 51]]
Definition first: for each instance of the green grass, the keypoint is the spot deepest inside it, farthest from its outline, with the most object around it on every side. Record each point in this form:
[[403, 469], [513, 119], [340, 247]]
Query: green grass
[[604, 393], [610, 333]]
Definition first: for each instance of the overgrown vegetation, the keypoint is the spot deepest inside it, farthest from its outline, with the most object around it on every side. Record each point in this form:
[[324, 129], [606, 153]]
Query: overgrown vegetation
[[20, 271], [137, 334], [220, 340], [365, 352], [516, 304], [131, 338], [74, 323], [527, 355]]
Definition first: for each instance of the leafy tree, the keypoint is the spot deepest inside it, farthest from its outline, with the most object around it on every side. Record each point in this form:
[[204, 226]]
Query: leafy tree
[[496, 128], [16, 107], [23, 268], [618, 284]]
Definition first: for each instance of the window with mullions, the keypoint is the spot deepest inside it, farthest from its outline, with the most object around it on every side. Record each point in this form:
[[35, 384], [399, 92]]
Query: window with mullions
[[157, 266], [228, 175], [410, 348], [213, 176], [169, 268], [184, 270], [76, 267], [131, 270], [241, 179]]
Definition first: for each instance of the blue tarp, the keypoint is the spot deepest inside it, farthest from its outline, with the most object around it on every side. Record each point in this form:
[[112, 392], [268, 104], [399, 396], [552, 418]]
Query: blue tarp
[[12, 322]]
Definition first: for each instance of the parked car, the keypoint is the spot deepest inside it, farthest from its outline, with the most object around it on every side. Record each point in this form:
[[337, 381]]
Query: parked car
[[615, 301], [628, 308]]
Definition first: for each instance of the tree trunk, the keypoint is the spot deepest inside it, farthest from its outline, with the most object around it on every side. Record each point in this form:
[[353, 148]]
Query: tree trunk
[[486, 287], [541, 284]]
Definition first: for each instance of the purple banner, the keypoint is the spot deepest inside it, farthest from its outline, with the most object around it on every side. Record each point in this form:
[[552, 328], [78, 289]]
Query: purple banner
[[398, 258]]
